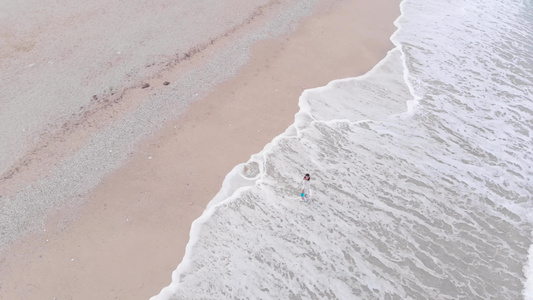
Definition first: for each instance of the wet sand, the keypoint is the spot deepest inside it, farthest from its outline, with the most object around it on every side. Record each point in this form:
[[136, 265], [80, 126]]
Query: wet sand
[[132, 231]]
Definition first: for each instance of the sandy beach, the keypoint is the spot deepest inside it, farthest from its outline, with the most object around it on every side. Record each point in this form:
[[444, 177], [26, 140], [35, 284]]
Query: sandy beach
[[131, 232]]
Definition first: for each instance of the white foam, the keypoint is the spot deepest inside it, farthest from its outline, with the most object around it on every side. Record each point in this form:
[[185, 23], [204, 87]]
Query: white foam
[[428, 203], [528, 272], [238, 182]]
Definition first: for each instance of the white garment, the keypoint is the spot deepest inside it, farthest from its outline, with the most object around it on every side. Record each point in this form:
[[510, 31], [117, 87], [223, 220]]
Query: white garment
[[306, 186]]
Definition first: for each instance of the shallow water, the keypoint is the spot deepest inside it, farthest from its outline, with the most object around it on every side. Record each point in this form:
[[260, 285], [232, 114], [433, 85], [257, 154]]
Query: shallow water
[[421, 176]]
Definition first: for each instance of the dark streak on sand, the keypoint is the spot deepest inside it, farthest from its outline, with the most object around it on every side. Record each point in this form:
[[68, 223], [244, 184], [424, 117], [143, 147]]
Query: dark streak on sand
[[90, 117]]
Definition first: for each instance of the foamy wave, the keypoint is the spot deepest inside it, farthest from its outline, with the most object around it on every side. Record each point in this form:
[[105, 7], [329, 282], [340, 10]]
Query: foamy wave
[[428, 203]]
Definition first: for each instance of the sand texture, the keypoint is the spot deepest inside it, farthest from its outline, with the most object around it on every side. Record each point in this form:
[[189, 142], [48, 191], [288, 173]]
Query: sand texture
[[137, 156]]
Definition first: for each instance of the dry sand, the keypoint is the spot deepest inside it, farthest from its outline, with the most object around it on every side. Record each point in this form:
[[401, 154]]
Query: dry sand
[[132, 232]]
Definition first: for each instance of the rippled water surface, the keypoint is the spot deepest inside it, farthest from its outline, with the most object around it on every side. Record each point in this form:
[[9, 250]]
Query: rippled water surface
[[421, 176]]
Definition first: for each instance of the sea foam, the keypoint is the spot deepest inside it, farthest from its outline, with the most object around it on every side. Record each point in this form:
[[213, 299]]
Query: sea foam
[[421, 172]]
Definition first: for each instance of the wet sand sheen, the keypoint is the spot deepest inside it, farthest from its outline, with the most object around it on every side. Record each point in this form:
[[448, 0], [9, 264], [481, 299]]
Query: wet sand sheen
[[132, 232]]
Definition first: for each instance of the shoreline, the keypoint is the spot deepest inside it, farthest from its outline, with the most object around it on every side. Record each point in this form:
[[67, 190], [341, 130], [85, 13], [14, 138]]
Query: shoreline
[[132, 232]]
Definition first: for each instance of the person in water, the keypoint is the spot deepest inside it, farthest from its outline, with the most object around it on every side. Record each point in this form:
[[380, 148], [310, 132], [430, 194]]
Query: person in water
[[305, 188]]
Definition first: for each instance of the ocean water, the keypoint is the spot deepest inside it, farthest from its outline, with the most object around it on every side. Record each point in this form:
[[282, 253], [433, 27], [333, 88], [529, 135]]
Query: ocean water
[[421, 173]]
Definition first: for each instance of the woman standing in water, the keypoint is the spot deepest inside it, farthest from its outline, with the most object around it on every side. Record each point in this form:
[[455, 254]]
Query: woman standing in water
[[305, 187]]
